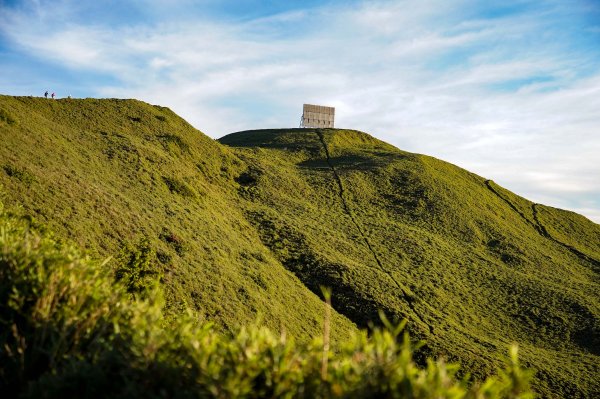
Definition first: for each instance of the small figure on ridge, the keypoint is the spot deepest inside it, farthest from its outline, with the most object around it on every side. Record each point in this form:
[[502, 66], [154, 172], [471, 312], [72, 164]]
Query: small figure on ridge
[[46, 94]]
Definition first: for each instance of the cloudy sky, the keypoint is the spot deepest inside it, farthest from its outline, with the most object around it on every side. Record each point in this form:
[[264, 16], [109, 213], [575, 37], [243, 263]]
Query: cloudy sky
[[507, 89]]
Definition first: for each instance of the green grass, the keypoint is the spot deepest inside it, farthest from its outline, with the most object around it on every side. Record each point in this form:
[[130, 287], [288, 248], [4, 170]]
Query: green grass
[[69, 330], [106, 174], [425, 240], [22, 175], [6, 117], [253, 225]]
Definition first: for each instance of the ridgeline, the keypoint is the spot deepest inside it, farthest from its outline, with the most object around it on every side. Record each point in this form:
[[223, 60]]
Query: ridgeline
[[254, 224]]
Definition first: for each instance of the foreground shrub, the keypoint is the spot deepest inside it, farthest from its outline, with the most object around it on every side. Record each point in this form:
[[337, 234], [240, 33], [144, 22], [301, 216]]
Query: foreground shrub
[[135, 268], [68, 330], [54, 305]]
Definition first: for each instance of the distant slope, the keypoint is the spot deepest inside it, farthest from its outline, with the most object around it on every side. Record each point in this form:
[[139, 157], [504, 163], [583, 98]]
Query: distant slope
[[254, 225], [473, 266], [105, 172]]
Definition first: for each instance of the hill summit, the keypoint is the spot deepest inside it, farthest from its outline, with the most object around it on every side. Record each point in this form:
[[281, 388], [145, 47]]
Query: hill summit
[[252, 225]]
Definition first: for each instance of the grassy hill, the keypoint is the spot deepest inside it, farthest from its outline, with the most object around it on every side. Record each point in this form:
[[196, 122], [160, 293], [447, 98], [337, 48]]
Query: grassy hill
[[107, 173], [254, 224], [69, 330], [471, 265]]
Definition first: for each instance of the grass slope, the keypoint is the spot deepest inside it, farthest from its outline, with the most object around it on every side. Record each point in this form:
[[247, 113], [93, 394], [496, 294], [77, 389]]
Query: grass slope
[[471, 265], [256, 226], [67, 330], [106, 173]]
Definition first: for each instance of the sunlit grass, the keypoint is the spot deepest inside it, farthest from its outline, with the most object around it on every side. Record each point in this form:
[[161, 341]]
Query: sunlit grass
[[254, 228]]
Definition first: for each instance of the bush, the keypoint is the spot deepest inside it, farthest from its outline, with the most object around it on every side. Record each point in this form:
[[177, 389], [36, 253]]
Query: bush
[[67, 330], [136, 268], [54, 305], [6, 117], [172, 239], [20, 174], [179, 187], [168, 139]]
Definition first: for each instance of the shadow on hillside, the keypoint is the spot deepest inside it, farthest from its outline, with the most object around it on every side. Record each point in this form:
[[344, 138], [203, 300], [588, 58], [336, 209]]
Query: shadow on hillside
[[354, 161], [291, 139]]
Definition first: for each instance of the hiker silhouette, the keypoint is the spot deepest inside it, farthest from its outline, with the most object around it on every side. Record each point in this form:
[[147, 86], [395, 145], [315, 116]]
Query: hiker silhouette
[[46, 94]]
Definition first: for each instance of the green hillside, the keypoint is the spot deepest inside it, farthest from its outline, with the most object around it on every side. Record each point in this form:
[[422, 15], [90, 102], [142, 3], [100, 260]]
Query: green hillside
[[471, 265], [252, 226], [106, 173], [68, 330]]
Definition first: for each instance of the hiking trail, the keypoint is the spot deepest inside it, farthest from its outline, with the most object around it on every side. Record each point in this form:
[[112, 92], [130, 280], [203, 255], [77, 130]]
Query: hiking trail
[[540, 228], [346, 206]]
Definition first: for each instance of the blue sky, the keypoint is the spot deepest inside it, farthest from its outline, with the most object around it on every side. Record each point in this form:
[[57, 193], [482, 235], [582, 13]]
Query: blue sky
[[507, 89]]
